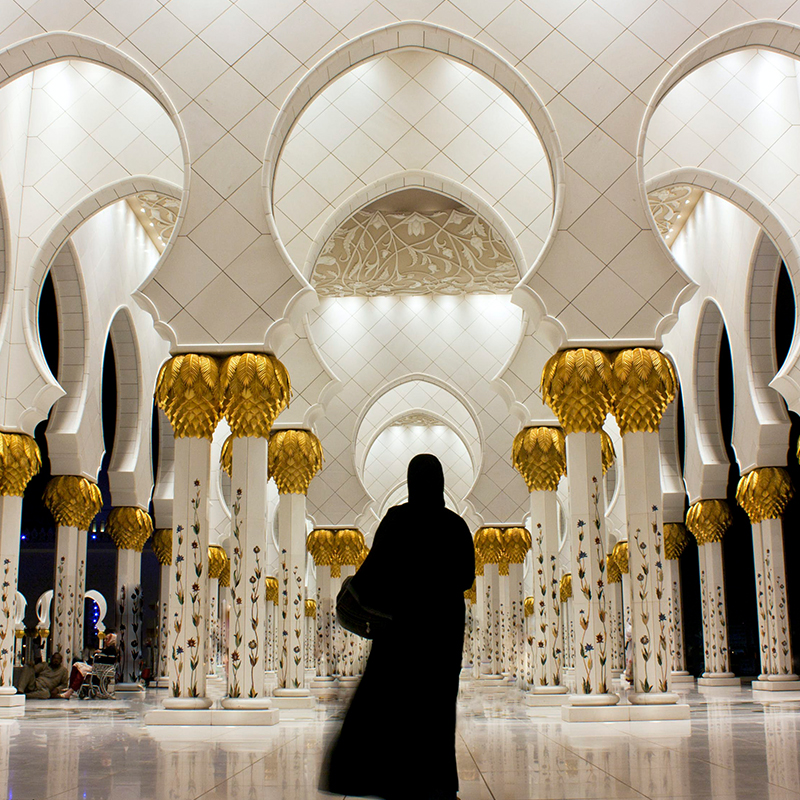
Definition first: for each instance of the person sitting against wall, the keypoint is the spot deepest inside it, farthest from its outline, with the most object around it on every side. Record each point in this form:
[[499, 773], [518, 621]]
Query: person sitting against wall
[[80, 669], [43, 680]]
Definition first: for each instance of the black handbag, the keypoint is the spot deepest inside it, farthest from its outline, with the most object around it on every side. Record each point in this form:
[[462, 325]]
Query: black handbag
[[354, 616]]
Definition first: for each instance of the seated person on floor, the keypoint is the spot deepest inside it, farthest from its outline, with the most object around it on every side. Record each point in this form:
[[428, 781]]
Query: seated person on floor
[[43, 680], [80, 669]]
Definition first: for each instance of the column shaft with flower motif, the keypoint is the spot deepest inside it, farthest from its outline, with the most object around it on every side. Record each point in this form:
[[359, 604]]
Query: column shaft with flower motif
[[255, 389], [675, 540], [764, 494], [129, 528], [74, 502], [161, 543], [321, 545], [577, 385], [644, 385], [295, 456], [188, 390], [20, 460], [708, 520], [539, 454]]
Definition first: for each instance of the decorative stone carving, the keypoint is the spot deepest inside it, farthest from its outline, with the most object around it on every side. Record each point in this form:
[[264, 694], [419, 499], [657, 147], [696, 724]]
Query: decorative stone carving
[[444, 252]]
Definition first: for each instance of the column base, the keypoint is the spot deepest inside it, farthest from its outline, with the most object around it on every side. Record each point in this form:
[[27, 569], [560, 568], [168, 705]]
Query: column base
[[546, 690], [712, 679], [186, 704], [681, 677], [129, 687], [295, 706], [323, 682], [12, 705], [246, 703], [208, 716], [624, 713], [772, 684], [653, 698], [537, 700], [489, 678], [349, 681], [593, 700], [161, 683]]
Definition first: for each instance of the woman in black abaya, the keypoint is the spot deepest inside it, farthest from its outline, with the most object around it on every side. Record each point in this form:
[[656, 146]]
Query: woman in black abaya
[[398, 737]]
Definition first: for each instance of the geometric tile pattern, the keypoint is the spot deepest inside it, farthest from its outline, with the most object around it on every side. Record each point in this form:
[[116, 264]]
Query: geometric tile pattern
[[370, 342], [412, 111]]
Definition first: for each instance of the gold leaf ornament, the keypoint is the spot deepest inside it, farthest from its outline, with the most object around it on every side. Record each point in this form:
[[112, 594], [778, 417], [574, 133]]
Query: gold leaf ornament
[[189, 392], [620, 556], [255, 389], [675, 539], [764, 493], [613, 572], [271, 589], [225, 575], [645, 385], [129, 527], [311, 608], [565, 587], [295, 457], [578, 385], [321, 545], [226, 456], [489, 545], [162, 545], [517, 543], [349, 546], [539, 454], [708, 520], [73, 501], [609, 454], [471, 594], [20, 460], [530, 606], [217, 559]]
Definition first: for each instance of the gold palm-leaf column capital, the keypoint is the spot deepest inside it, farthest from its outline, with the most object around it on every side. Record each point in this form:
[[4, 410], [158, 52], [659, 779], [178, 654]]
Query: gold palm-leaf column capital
[[539, 454], [321, 545], [189, 391], [255, 389], [613, 572], [530, 606], [272, 589], [764, 493], [472, 594], [676, 539], [620, 556], [708, 520], [349, 547], [578, 385], [489, 544], [162, 545], [217, 559], [20, 460], [129, 527], [73, 501], [226, 456], [565, 587], [516, 544], [311, 608], [295, 457], [608, 452], [645, 385]]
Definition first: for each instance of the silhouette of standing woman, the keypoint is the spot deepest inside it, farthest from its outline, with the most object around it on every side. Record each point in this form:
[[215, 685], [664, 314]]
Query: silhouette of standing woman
[[398, 737]]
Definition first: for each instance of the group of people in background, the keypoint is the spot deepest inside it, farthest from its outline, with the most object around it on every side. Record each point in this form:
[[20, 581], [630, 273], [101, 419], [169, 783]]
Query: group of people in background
[[52, 680]]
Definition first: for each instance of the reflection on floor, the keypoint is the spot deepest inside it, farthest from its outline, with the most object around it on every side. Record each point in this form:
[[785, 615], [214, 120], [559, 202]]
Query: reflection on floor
[[733, 747]]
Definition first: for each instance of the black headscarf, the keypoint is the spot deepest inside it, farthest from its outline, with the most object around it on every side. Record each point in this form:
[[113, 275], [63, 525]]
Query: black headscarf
[[425, 481]]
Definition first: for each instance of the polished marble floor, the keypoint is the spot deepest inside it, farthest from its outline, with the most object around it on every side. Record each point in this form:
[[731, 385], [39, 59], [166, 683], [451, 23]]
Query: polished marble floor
[[733, 747]]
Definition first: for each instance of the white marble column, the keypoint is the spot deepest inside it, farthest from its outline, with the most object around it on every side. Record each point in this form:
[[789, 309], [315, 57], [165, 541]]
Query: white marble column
[[764, 494], [10, 516], [295, 456], [652, 666], [247, 654], [675, 540], [322, 548], [161, 542], [547, 655], [479, 621], [74, 502], [708, 520], [129, 528]]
